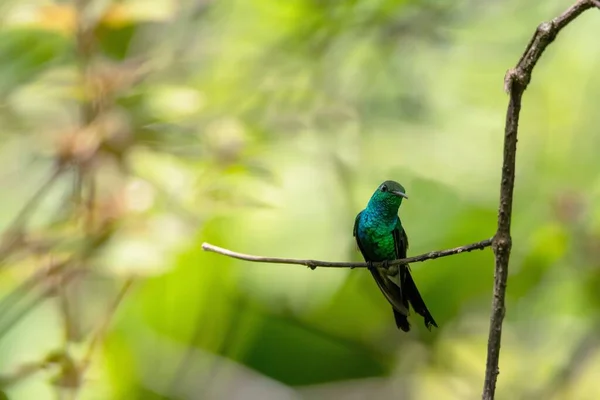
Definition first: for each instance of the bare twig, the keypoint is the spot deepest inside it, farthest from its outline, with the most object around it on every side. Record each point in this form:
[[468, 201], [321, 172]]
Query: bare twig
[[83, 175], [10, 301], [13, 234], [22, 372], [105, 323], [11, 321], [515, 83], [99, 335], [16, 296], [312, 264], [70, 329]]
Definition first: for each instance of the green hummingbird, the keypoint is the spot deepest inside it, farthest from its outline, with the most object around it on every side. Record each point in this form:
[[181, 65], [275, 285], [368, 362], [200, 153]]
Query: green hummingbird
[[381, 237]]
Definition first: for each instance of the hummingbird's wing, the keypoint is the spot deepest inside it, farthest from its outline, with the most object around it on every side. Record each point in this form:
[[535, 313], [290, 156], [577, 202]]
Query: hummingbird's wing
[[405, 280], [391, 291], [355, 232], [400, 240]]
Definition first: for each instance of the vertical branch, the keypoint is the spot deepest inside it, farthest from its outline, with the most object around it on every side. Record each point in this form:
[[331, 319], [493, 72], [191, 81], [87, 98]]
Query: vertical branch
[[83, 207], [104, 324], [516, 82], [83, 53], [82, 57], [70, 330], [83, 177], [502, 242]]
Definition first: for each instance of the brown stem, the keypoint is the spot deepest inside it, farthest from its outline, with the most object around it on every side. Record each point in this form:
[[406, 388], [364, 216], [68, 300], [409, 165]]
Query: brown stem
[[22, 372], [515, 83], [13, 235], [105, 323]]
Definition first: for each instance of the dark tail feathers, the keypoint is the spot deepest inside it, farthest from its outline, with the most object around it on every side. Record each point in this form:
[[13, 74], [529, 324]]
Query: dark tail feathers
[[401, 321], [409, 289]]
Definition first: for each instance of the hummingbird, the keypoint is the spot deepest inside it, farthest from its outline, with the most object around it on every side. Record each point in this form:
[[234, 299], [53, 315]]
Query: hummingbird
[[381, 238]]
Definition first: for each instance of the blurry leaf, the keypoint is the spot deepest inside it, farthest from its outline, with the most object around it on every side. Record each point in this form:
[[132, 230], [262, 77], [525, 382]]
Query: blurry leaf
[[59, 17], [120, 364], [199, 288], [298, 355], [549, 244], [142, 393], [449, 284], [119, 14], [115, 41], [356, 311], [172, 103], [26, 53], [122, 22]]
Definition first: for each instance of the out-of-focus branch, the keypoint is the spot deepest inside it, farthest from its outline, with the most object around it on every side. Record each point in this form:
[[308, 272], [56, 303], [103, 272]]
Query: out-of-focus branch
[[83, 54], [13, 235], [516, 81], [99, 335], [53, 272], [105, 323], [76, 153], [22, 372], [12, 320], [312, 264]]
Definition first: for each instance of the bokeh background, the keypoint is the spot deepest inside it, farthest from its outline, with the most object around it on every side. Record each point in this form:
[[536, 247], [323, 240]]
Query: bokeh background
[[133, 131]]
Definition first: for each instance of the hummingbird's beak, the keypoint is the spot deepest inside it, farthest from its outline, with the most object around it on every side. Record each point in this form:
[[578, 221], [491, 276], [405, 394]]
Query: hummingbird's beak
[[399, 194]]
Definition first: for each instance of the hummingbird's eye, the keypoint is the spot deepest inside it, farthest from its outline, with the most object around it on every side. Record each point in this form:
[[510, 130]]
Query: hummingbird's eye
[[384, 188]]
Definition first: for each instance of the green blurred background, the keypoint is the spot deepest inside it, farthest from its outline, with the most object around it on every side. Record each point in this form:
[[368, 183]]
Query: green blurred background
[[264, 126]]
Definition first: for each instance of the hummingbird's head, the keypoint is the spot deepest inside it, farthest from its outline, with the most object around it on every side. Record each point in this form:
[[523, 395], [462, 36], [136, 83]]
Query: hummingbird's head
[[389, 195]]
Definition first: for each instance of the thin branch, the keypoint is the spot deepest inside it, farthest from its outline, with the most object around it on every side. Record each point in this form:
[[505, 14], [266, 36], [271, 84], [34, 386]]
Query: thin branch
[[100, 334], [70, 329], [16, 296], [13, 235], [12, 320], [12, 299], [22, 372], [105, 323], [312, 264], [515, 83]]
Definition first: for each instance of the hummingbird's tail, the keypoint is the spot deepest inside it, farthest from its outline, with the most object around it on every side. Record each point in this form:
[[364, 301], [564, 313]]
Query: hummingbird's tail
[[400, 290], [409, 289], [401, 320]]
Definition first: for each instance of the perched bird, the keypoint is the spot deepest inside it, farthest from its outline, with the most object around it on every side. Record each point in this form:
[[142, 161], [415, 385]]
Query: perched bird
[[381, 237]]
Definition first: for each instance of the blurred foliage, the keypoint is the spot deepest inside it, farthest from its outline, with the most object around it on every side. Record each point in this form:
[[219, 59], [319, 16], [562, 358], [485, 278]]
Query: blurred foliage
[[140, 129]]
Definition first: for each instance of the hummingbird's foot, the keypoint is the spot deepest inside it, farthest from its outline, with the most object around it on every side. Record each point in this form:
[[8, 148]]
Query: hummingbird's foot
[[385, 264], [370, 266]]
